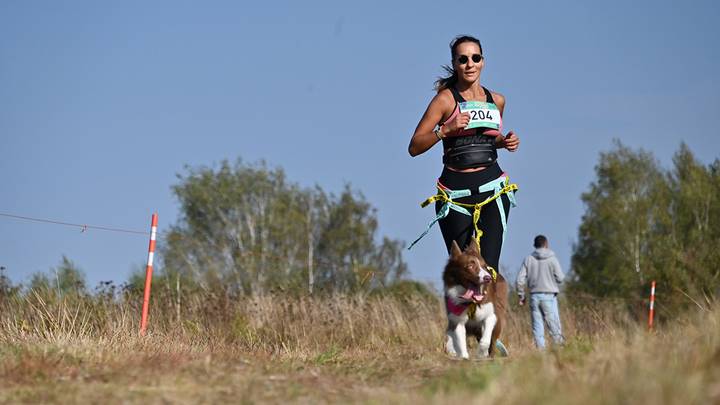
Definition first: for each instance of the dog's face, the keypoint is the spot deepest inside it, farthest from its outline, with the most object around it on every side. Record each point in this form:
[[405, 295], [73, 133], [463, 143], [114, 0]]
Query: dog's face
[[466, 268]]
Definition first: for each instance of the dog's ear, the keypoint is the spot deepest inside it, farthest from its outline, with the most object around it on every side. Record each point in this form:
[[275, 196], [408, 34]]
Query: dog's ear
[[473, 248], [455, 250]]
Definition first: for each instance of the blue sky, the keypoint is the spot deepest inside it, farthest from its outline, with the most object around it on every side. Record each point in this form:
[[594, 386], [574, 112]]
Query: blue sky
[[103, 103]]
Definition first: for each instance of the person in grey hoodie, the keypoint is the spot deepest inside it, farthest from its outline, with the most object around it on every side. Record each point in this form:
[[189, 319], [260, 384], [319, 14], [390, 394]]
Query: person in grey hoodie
[[541, 274]]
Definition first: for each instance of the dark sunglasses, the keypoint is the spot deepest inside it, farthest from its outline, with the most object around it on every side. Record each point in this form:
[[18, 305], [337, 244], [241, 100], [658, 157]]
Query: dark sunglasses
[[463, 59]]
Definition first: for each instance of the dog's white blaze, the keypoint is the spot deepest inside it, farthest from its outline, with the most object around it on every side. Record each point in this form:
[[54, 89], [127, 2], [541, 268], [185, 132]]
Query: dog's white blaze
[[483, 273]]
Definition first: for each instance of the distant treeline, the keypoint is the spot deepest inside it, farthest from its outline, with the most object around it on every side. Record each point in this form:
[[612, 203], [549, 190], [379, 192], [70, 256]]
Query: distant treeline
[[645, 223], [245, 229]]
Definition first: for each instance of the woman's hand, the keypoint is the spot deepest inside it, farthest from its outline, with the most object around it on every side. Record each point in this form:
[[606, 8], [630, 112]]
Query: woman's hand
[[424, 136], [456, 124], [511, 142]]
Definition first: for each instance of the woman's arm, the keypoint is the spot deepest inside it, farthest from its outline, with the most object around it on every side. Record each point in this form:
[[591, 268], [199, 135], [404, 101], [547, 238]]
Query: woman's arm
[[440, 106], [511, 140]]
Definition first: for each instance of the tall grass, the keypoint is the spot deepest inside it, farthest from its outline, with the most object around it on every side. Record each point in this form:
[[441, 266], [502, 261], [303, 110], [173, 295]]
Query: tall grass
[[354, 347]]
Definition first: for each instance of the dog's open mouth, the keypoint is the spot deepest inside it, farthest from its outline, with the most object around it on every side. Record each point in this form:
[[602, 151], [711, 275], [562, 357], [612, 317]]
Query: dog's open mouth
[[475, 295]]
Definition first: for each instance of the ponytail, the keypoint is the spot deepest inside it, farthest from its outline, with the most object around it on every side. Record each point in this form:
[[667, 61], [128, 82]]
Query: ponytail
[[446, 82]]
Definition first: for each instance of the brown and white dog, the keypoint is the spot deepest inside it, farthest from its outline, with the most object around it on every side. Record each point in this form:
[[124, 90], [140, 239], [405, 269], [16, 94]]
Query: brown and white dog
[[475, 302]]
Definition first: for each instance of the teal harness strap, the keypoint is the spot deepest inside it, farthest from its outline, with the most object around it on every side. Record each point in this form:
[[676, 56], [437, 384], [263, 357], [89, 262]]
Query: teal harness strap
[[445, 210], [495, 186]]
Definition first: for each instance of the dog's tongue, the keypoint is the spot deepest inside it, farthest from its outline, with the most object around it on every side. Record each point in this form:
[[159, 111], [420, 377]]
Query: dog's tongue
[[471, 294]]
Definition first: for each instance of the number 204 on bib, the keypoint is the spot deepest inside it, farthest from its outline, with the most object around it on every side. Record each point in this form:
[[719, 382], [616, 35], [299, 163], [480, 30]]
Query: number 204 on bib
[[482, 114]]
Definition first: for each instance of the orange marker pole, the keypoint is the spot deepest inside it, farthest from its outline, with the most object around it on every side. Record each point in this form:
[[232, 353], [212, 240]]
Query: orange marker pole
[[652, 305], [148, 274]]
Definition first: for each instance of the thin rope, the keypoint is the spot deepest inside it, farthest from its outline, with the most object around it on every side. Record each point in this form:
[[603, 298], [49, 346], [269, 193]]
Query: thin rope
[[82, 227]]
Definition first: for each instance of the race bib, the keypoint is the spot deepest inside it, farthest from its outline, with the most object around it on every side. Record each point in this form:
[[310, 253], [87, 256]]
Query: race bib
[[482, 114]]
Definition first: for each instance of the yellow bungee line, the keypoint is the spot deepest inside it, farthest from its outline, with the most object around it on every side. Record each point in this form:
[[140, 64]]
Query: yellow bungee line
[[444, 197]]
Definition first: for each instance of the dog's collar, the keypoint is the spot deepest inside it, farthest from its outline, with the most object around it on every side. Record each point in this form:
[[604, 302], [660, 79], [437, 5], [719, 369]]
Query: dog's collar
[[458, 309]]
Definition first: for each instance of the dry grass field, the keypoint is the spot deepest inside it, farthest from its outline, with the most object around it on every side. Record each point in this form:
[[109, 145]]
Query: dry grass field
[[338, 349]]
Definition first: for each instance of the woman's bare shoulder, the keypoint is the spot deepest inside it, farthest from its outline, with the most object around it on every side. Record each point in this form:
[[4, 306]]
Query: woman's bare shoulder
[[445, 98], [498, 98]]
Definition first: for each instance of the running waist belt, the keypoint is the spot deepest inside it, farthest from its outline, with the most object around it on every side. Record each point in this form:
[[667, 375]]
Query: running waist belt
[[471, 156]]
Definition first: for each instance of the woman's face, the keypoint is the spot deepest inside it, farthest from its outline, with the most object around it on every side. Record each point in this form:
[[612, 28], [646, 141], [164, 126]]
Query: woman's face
[[468, 62]]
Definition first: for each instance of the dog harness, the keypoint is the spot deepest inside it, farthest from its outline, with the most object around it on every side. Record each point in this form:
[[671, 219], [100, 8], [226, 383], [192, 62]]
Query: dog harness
[[457, 309], [499, 186]]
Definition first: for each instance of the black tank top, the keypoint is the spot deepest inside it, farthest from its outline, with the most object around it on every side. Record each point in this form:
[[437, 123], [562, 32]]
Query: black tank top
[[470, 138], [473, 149]]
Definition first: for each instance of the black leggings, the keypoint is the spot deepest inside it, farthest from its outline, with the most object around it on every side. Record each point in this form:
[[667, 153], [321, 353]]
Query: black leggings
[[459, 227]]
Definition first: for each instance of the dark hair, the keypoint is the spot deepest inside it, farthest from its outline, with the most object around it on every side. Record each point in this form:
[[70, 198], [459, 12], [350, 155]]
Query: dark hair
[[448, 81], [540, 241]]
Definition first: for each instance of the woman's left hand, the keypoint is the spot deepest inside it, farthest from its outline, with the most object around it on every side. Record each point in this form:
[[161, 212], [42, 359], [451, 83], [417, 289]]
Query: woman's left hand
[[511, 142]]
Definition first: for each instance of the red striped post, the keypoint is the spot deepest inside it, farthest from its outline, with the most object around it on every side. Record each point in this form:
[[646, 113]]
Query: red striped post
[[652, 305], [148, 274]]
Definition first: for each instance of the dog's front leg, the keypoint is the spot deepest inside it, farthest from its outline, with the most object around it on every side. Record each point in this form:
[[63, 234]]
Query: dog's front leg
[[484, 344], [459, 341], [449, 344]]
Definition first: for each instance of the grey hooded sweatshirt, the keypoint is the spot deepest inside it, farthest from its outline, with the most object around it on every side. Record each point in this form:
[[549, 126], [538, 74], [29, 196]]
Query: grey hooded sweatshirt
[[540, 272]]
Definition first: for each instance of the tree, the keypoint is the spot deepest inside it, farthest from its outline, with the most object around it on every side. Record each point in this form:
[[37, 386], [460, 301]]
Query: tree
[[614, 243], [247, 227], [348, 255], [691, 235], [66, 278], [69, 277], [643, 223], [7, 289]]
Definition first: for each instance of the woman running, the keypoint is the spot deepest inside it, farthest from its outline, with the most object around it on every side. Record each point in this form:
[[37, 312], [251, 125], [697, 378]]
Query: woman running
[[467, 118]]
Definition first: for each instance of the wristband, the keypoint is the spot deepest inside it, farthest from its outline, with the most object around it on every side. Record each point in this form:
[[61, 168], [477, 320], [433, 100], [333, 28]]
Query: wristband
[[438, 133]]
